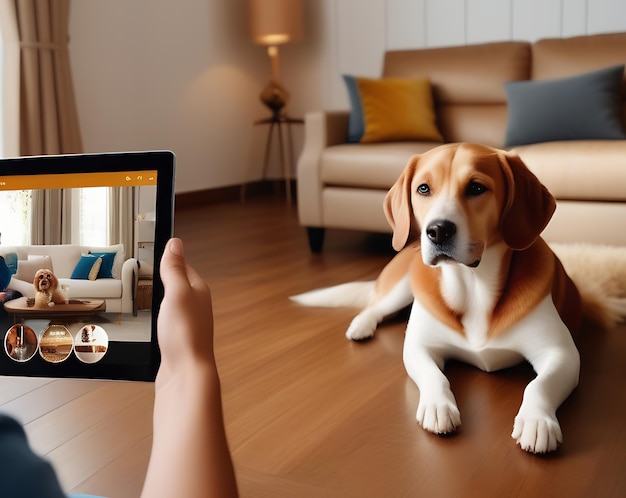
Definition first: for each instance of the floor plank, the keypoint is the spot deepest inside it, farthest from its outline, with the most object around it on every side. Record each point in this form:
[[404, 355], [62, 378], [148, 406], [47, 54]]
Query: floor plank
[[311, 414]]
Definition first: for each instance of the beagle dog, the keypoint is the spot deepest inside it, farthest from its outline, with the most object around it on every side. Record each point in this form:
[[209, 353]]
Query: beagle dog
[[46, 289], [484, 286]]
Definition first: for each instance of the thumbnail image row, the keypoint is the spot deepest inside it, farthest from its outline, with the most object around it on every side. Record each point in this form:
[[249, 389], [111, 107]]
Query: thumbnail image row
[[55, 343]]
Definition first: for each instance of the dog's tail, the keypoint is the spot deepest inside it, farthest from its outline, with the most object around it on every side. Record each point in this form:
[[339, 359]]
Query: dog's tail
[[351, 294], [599, 272]]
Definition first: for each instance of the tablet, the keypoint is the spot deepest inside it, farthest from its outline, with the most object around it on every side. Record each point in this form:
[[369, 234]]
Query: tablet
[[81, 238]]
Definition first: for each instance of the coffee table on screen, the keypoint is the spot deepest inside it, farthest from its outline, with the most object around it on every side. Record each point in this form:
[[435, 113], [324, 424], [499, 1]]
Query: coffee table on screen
[[22, 309]]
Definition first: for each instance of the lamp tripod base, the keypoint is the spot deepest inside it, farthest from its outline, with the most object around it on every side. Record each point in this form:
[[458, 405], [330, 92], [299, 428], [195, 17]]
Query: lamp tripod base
[[275, 97]]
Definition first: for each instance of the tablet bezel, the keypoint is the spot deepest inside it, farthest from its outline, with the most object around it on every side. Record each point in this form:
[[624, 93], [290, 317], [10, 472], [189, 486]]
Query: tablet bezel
[[121, 362]]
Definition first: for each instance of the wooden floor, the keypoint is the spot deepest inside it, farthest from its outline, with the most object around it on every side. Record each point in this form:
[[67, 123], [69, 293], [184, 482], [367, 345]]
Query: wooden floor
[[311, 414]]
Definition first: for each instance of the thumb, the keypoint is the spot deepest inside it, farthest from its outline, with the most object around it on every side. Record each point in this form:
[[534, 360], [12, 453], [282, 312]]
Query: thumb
[[173, 265]]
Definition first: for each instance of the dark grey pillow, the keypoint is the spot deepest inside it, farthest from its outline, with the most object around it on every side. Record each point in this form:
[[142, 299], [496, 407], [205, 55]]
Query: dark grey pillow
[[356, 125], [582, 107]]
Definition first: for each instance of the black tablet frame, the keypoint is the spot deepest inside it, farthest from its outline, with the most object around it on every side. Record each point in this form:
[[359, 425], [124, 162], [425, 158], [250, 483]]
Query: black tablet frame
[[136, 361]]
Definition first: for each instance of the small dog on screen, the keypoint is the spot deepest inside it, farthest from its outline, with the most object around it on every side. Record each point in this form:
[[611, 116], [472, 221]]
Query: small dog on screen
[[87, 333], [47, 291], [484, 286]]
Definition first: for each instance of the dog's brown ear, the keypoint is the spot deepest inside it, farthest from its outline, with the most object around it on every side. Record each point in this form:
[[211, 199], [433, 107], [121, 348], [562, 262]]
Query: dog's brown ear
[[528, 207], [398, 208]]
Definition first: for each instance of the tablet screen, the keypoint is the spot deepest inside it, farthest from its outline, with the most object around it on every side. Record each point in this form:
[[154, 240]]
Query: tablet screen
[[81, 238]]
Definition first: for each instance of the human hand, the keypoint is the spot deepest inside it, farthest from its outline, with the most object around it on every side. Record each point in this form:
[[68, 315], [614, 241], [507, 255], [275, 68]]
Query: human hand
[[190, 455], [185, 322]]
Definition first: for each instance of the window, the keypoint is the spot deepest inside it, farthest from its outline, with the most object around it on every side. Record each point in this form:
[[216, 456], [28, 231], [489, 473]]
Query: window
[[90, 216], [15, 221]]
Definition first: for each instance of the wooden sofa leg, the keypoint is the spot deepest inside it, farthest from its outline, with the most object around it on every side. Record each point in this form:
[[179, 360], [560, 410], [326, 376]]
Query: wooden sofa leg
[[316, 238]]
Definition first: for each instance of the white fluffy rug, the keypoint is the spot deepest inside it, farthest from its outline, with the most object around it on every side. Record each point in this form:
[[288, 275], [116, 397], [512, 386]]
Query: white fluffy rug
[[599, 272]]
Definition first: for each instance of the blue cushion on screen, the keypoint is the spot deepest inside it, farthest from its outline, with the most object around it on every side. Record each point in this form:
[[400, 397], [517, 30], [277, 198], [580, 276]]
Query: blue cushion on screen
[[583, 107], [10, 258], [83, 268], [356, 125], [106, 270]]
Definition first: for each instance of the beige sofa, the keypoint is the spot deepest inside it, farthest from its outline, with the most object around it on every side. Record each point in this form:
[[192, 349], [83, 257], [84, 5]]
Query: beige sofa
[[342, 185], [118, 292]]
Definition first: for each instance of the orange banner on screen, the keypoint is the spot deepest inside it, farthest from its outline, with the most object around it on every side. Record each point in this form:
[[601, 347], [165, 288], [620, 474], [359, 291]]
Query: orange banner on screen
[[79, 180]]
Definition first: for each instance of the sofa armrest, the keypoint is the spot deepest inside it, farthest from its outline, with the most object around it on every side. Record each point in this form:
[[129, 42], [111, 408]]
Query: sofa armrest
[[27, 289], [130, 273], [321, 129]]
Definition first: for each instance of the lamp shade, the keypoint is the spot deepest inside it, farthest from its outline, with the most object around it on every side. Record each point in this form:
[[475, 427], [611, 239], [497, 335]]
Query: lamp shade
[[273, 22]]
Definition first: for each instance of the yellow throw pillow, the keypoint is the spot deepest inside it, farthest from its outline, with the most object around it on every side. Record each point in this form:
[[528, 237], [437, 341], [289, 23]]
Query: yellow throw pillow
[[397, 109]]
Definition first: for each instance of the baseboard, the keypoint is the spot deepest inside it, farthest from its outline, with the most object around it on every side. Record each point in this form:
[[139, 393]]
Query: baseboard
[[186, 200]]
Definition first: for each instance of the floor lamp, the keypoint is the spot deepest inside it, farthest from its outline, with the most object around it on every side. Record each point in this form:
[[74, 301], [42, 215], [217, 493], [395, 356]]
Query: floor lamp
[[273, 23]]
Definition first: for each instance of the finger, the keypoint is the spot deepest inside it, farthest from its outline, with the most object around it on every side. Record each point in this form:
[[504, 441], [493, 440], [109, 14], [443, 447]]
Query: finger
[[174, 270]]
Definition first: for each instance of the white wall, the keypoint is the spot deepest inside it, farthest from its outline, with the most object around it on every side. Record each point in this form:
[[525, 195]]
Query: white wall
[[183, 75]]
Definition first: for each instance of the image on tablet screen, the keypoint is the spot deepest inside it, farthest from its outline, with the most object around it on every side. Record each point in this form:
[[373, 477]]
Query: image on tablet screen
[[76, 263]]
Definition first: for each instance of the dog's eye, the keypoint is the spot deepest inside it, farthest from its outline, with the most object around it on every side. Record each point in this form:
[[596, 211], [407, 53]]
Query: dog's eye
[[474, 189], [423, 189]]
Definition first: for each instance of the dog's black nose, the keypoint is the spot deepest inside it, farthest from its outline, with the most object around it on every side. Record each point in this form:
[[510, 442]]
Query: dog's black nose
[[440, 231]]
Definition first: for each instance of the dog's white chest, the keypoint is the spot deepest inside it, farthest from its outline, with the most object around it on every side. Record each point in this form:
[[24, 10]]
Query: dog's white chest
[[476, 348], [472, 298]]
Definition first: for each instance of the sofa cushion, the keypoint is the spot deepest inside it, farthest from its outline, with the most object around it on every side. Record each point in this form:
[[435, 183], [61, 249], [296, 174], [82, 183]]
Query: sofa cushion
[[466, 74], [559, 57], [87, 267], [582, 107], [368, 165], [65, 256], [468, 85], [391, 109], [26, 268], [106, 268], [102, 288], [583, 170], [356, 126], [118, 261], [10, 258]]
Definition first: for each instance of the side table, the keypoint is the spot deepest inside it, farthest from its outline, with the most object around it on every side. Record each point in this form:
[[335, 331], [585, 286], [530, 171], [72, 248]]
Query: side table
[[278, 121], [144, 294]]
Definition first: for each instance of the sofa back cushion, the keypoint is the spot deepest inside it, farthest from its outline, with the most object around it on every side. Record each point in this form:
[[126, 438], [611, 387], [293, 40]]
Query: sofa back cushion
[[468, 85], [561, 57], [63, 258], [66, 257], [582, 107]]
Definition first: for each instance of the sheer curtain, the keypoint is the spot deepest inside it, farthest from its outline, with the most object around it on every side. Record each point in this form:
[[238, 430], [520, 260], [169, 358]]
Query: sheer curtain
[[44, 120], [122, 217], [48, 115], [9, 81]]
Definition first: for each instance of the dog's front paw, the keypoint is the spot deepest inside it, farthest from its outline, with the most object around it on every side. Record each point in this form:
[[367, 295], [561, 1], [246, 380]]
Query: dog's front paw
[[438, 414], [537, 434], [362, 327]]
